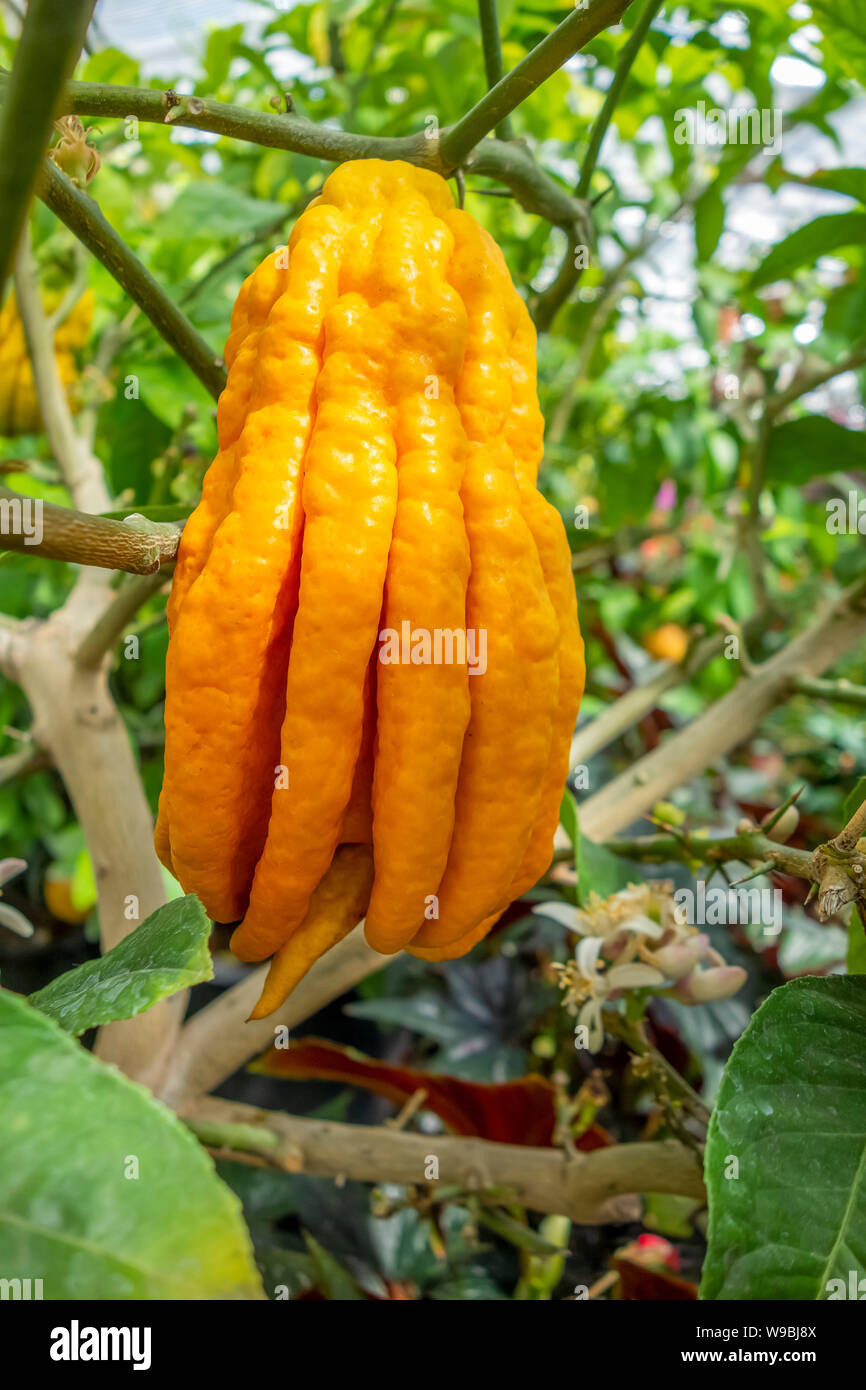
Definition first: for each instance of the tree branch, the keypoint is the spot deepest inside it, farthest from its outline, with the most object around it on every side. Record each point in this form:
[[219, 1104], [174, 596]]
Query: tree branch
[[561, 44], [287, 131], [632, 706], [112, 623], [846, 840], [491, 43], [511, 163], [28, 759], [727, 722], [614, 91], [840, 692], [84, 219], [591, 1189], [802, 385], [217, 1041], [51, 40], [137, 547], [293, 132], [82, 473], [748, 846]]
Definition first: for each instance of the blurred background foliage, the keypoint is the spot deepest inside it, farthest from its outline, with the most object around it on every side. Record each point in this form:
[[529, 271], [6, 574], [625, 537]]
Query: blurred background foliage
[[716, 274]]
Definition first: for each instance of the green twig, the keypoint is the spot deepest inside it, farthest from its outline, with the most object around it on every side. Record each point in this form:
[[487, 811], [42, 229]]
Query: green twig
[[676, 1085], [47, 52], [561, 44], [492, 46], [238, 1137], [114, 621], [614, 91], [841, 692], [749, 846], [83, 217], [810, 381], [509, 162]]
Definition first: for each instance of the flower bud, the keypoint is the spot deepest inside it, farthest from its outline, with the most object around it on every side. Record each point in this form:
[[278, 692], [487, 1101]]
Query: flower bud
[[719, 982]]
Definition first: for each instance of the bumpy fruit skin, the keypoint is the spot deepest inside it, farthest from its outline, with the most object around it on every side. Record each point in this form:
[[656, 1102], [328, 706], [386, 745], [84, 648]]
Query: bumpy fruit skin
[[374, 665], [19, 407]]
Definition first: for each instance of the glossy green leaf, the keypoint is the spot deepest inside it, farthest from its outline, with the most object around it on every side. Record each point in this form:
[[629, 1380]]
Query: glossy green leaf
[[851, 182], [841, 23], [803, 449], [104, 1194], [856, 958], [803, 247], [599, 871], [786, 1152], [215, 210], [166, 953]]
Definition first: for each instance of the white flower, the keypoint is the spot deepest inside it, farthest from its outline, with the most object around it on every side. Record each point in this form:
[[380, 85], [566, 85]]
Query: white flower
[[635, 939], [585, 978]]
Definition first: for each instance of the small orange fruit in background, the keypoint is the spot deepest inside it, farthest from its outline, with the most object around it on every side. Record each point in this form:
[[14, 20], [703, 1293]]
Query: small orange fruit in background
[[670, 642]]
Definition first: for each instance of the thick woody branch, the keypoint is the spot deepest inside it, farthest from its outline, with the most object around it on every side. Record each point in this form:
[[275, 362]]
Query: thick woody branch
[[727, 722], [82, 473], [591, 1189], [636, 703], [51, 39], [77, 723], [138, 547], [217, 1041]]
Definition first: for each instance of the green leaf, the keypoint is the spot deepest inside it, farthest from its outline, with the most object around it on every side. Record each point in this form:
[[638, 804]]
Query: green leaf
[[599, 871], [332, 1279], [166, 953], [518, 1233], [110, 65], [851, 182], [568, 815], [802, 449], [856, 959], [841, 22], [709, 220], [568, 820], [792, 1215], [806, 244], [854, 800], [165, 511], [104, 1194], [216, 210]]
